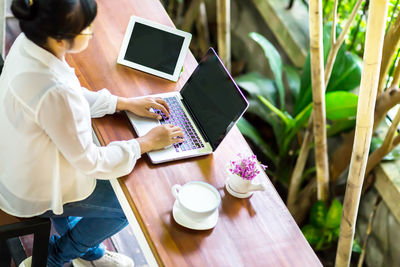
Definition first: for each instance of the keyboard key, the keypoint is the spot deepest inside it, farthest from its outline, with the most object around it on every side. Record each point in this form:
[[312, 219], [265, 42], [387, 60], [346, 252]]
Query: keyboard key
[[179, 118]]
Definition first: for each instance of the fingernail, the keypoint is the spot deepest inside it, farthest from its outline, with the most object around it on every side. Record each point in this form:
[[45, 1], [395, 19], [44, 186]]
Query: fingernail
[[159, 117]]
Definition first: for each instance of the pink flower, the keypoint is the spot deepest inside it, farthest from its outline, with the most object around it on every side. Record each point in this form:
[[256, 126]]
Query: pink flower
[[246, 167]]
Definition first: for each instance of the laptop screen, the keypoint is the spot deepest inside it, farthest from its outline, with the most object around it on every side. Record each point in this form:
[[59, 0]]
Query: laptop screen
[[154, 48], [213, 98]]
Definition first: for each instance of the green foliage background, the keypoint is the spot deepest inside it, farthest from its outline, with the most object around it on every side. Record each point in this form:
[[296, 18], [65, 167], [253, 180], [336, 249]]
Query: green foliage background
[[356, 38]]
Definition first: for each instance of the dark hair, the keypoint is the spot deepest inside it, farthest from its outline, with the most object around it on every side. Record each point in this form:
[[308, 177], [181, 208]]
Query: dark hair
[[59, 19]]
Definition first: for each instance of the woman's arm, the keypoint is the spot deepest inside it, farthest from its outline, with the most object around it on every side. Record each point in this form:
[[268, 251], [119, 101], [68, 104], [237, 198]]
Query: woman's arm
[[142, 106], [65, 117], [101, 102]]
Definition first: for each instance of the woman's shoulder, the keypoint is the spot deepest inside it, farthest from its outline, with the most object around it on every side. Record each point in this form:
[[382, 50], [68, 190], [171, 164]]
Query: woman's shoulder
[[26, 57]]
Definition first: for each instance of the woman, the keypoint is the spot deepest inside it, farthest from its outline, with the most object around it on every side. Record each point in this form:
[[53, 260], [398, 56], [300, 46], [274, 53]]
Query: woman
[[48, 162]]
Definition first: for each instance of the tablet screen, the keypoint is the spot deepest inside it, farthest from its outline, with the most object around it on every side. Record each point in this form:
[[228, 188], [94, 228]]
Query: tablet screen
[[154, 48]]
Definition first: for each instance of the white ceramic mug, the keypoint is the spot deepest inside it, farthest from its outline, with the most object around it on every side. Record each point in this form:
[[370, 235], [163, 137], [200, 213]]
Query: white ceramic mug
[[197, 199]]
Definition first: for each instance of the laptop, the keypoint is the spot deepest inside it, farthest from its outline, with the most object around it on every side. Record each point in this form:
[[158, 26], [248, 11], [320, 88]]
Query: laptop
[[154, 48], [206, 108]]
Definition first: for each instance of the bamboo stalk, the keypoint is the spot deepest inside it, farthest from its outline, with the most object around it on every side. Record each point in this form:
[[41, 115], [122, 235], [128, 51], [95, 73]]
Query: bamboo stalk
[[392, 67], [334, 22], [396, 140], [386, 147], [202, 28], [308, 195], [396, 76], [387, 100], [179, 12], [364, 124], [224, 31], [392, 16], [170, 8], [364, 11], [295, 181], [337, 44], [368, 232], [190, 15], [392, 40], [305, 146], [318, 94]]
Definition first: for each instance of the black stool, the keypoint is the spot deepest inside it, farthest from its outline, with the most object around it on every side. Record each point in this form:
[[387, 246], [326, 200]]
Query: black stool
[[12, 227]]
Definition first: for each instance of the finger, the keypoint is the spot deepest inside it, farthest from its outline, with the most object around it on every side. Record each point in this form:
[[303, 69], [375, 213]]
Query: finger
[[173, 128], [176, 129], [161, 107], [162, 102], [177, 134], [153, 115], [177, 140]]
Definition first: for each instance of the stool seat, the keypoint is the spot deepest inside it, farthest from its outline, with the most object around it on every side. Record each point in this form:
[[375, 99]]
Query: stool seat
[[6, 218], [12, 227]]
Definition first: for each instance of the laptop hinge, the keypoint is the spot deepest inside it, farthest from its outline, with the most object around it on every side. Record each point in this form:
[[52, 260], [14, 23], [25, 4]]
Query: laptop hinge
[[203, 133]]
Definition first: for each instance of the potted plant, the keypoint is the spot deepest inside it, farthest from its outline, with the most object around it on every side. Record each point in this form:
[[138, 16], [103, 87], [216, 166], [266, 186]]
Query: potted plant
[[242, 173]]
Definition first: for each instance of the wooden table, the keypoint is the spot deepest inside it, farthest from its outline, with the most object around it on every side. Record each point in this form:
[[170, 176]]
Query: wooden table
[[258, 231]]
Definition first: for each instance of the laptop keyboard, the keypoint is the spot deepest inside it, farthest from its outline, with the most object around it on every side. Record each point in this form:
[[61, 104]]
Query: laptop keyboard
[[178, 117]]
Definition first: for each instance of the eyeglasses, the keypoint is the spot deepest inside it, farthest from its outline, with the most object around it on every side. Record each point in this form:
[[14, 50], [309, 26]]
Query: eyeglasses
[[88, 31]]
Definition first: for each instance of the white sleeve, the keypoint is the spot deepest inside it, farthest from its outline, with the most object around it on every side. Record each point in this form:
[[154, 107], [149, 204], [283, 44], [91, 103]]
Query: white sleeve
[[65, 117], [101, 102]]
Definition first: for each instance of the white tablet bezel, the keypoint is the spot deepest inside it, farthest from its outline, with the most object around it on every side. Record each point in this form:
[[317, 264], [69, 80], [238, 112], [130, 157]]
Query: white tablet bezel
[[178, 67]]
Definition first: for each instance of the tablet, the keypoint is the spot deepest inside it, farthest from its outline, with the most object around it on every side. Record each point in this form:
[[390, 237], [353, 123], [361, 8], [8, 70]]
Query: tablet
[[154, 48]]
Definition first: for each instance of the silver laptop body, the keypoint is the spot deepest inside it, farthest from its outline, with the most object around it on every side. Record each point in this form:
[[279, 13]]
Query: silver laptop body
[[215, 102], [143, 125]]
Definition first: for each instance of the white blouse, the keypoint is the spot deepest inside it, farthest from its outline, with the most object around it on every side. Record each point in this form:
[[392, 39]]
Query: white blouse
[[47, 154]]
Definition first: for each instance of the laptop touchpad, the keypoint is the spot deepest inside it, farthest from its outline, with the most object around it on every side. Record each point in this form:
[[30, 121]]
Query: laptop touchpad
[[142, 125]]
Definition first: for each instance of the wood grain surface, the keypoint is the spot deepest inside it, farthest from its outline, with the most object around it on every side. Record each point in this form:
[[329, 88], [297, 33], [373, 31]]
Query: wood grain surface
[[258, 231]]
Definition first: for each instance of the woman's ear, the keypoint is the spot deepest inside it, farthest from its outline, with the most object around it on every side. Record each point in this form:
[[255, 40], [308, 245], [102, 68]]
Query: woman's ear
[[56, 46]]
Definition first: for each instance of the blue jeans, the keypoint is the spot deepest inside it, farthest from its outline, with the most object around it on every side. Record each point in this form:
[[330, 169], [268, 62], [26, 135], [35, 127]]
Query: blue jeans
[[84, 225]]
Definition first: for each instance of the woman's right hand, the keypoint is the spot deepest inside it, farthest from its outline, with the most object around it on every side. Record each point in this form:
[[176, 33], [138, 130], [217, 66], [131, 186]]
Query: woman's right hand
[[160, 137]]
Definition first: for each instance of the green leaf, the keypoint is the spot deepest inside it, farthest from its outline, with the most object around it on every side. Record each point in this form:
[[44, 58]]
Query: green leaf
[[293, 80], [345, 76], [300, 120], [256, 84], [356, 247], [334, 215], [305, 95], [341, 105], [393, 155], [339, 126], [312, 234], [303, 116], [318, 214], [257, 108], [251, 132], [275, 63], [284, 116], [346, 73], [336, 232], [308, 172], [376, 142]]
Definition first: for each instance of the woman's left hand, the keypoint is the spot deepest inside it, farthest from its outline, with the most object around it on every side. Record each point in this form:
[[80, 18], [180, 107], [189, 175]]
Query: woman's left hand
[[141, 106]]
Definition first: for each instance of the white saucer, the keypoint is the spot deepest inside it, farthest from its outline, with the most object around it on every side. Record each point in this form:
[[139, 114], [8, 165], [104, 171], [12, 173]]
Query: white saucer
[[196, 224], [234, 193]]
